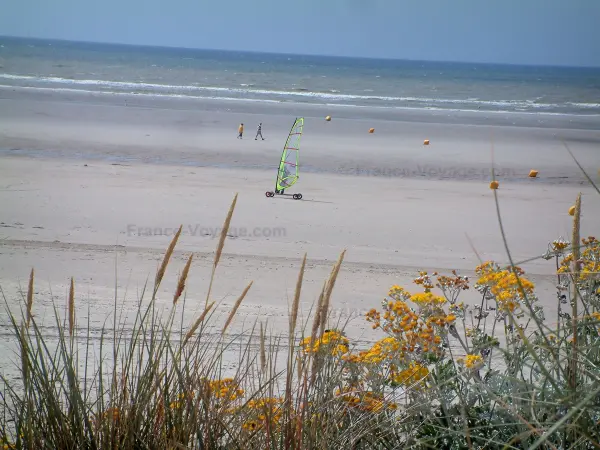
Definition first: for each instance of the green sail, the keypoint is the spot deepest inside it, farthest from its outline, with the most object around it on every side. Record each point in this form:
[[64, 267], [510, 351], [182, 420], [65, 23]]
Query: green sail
[[287, 175]]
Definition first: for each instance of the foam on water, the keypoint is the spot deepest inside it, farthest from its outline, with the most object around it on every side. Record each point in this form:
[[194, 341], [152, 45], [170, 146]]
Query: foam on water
[[242, 99]]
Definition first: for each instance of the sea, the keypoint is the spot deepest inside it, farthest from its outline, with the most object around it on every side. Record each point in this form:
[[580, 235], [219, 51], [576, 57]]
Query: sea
[[263, 77]]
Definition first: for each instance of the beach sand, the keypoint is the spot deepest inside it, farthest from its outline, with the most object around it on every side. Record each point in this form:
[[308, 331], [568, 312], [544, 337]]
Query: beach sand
[[93, 186]]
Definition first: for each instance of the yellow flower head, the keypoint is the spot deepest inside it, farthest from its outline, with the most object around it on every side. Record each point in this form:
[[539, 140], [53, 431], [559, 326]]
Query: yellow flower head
[[332, 341], [472, 361], [412, 376], [427, 299], [508, 286]]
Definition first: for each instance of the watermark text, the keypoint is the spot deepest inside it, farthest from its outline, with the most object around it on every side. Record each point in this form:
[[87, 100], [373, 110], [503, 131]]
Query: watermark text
[[197, 230]]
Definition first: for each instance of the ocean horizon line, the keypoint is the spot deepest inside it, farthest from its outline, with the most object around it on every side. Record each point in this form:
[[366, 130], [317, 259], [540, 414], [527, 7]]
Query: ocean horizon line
[[301, 55]]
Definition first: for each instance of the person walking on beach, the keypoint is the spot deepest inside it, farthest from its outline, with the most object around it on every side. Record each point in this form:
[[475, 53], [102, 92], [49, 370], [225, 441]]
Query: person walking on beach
[[259, 132], [240, 131]]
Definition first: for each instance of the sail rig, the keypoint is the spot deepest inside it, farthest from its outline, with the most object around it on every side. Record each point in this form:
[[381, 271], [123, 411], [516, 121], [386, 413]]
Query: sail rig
[[287, 174]]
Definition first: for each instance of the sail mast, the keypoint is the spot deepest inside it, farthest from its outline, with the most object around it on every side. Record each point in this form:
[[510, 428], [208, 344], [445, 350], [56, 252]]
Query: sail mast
[[287, 173]]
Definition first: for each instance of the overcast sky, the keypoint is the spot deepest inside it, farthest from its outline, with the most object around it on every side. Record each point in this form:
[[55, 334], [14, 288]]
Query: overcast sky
[[561, 32]]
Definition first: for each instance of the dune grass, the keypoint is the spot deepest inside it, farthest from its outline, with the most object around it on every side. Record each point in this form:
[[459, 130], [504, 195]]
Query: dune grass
[[445, 375]]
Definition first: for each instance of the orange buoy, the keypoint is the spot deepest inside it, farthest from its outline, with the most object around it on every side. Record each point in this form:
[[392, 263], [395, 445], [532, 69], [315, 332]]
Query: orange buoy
[[371, 130], [426, 142], [494, 185], [533, 173], [328, 118], [572, 210]]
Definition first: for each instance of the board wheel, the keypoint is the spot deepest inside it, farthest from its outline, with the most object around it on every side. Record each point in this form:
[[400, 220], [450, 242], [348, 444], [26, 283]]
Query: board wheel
[[297, 196], [269, 194]]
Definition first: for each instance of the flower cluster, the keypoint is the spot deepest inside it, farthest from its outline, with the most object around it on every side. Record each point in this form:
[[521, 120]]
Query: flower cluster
[[559, 245], [364, 400], [507, 286], [451, 287], [413, 376], [226, 389], [333, 341], [590, 258], [262, 412], [427, 299], [424, 280], [383, 350], [412, 331], [589, 262], [473, 362]]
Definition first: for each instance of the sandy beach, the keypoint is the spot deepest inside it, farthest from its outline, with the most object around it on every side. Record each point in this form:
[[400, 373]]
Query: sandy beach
[[92, 185]]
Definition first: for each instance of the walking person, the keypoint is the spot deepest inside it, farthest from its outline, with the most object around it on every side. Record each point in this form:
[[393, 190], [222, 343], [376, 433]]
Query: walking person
[[259, 132], [240, 131]]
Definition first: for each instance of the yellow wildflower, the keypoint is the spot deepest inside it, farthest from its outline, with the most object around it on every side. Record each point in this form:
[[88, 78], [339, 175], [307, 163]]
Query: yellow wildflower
[[413, 375], [366, 401], [507, 286], [427, 299], [472, 361], [386, 348], [226, 389], [335, 342]]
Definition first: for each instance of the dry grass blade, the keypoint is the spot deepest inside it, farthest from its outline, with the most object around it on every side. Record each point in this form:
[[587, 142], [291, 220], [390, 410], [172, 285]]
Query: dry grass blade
[[263, 352], [576, 236], [235, 308], [315, 330], [317, 318], [224, 231], [291, 342], [581, 168], [29, 298], [576, 255], [24, 356], [473, 248], [296, 304], [197, 323], [330, 284], [71, 307], [182, 279], [221, 244], [163, 267]]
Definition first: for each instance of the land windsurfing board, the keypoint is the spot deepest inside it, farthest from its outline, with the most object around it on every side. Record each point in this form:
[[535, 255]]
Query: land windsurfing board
[[289, 169]]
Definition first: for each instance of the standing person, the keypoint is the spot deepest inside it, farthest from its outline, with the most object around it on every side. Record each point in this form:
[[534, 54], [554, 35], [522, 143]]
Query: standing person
[[240, 130], [259, 132]]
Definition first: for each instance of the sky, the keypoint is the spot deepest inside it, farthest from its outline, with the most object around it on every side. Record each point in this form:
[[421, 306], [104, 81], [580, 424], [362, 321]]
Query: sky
[[546, 32]]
